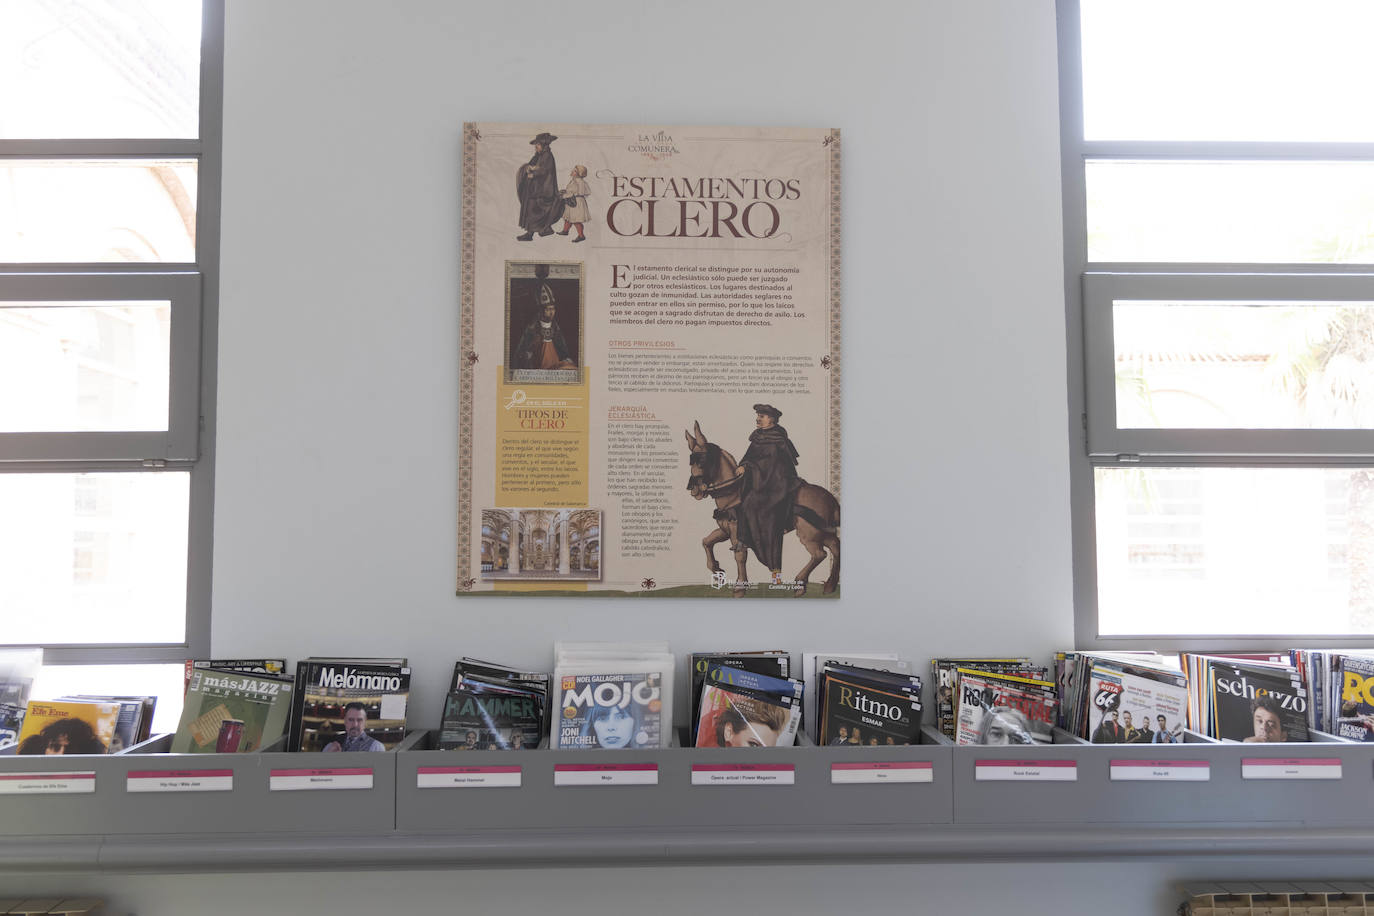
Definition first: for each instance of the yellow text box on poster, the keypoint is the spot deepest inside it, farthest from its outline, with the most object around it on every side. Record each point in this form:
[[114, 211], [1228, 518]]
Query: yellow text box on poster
[[543, 443]]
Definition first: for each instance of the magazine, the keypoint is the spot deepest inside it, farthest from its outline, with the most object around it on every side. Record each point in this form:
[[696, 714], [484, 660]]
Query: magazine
[[487, 717], [68, 727], [1004, 709], [1256, 703], [135, 718], [1356, 718], [229, 712], [945, 672], [349, 704], [493, 703], [744, 709], [1080, 706], [609, 711], [771, 662], [18, 668], [858, 713], [812, 662], [1129, 707], [612, 695]]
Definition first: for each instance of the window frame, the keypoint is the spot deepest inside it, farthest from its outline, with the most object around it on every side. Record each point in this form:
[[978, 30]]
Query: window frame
[[188, 444], [179, 443], [1090, 288]]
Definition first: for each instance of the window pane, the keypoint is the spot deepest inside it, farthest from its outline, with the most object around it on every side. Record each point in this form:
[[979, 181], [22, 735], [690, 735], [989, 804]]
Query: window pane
[[92, 558], [1227, 70], [162, 681], [1299, 212], [84, 366], [1195, 365], [74, 210], [1205, 551], [99, 68]]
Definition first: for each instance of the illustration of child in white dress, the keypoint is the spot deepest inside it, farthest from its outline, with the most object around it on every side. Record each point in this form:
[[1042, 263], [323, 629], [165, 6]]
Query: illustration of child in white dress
[[575, 211]]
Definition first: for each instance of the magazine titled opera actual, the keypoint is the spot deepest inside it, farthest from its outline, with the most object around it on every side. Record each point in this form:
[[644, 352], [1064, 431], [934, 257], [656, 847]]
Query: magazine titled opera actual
[[643, 305], [773, 662], [744, 709]]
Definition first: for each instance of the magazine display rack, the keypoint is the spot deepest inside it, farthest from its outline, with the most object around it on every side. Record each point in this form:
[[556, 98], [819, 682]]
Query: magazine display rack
[[427, 808]]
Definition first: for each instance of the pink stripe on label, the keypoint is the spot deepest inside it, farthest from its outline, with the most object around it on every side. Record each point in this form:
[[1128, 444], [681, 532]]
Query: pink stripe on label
[[177, 774], [886, 765], [1026, 763], [1160, 763], [354, 771], [603, 767], [41, 775], [743, 768], [1291, 761], [437, 771]]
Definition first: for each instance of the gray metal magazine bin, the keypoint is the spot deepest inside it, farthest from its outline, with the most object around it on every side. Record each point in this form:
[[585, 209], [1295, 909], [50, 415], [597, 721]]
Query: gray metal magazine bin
[[1310, 784], [162, 793], [685, 787]]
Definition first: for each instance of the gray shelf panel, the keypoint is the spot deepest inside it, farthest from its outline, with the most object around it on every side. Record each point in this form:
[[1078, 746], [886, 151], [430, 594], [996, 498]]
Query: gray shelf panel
[[674, 801], [251, 806], [1226, 798]]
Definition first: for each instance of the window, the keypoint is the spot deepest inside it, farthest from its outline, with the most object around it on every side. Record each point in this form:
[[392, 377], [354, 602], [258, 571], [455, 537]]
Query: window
[[1219, 241], [109, 249]]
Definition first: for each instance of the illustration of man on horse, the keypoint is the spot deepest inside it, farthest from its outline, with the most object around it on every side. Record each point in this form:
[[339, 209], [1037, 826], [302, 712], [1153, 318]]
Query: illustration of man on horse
[[760, 499]]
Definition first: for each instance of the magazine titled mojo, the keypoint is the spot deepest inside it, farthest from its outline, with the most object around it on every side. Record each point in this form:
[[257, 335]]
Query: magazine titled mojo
[[650, 364]]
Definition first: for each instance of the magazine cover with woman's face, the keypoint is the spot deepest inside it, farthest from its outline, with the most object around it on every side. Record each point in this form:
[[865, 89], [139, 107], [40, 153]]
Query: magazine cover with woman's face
[[730, 719], [610, 711]]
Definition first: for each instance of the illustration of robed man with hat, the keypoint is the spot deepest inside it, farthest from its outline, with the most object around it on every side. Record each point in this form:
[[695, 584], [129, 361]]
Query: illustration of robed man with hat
[[536, 184], [769, 468]]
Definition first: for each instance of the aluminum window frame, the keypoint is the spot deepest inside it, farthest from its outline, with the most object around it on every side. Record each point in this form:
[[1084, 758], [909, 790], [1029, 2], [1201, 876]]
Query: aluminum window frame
[[179, 443], [1089, 290], [188, 443]]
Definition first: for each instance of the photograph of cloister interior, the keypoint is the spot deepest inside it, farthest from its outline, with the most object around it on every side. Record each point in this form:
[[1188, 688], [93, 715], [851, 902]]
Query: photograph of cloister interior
[[1088, 362]]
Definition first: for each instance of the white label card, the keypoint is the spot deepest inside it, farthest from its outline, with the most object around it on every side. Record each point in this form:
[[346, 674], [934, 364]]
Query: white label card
[[468, 777], [743, 774], [51, 783], [325, 778], [393, 706], [605, 774], [907, 771], [1161, 771], [180, 781], [1290, 768], [1025, 770]]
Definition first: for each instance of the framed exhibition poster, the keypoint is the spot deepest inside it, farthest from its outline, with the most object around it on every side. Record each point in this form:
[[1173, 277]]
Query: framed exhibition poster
[[649, 382]]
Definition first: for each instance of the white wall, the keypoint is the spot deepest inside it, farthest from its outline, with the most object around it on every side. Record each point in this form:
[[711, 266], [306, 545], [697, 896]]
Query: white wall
[[336, 485]]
